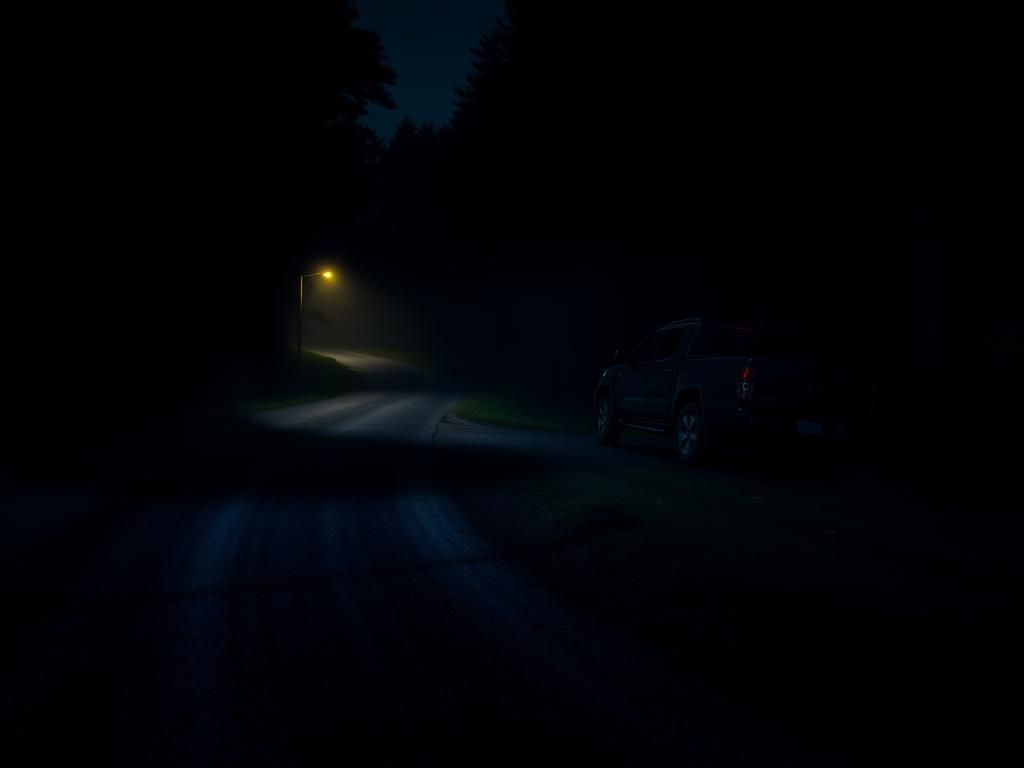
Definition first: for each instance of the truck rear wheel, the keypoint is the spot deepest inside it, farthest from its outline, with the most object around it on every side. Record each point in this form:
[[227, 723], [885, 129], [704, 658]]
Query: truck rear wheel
[[689, 435]]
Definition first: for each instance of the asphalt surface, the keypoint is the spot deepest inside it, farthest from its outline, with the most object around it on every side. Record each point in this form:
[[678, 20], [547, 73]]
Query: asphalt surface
[[412, 406], [320, 597]]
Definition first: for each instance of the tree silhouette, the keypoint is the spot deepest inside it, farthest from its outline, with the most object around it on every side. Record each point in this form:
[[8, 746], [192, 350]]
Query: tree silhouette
[[205, 157]]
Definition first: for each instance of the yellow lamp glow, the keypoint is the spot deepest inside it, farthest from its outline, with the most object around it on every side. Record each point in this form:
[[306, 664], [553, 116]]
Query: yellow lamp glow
[[328, 274]]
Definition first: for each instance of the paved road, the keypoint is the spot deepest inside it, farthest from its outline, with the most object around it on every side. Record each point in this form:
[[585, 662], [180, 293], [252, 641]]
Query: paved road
[[324, 598], [410, 405], [424, 418]]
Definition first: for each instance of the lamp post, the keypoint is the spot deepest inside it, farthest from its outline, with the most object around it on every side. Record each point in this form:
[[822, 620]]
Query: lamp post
[[326, 275]]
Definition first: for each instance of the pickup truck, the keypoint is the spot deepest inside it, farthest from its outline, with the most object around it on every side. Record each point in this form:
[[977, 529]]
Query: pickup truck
[[711, 381]]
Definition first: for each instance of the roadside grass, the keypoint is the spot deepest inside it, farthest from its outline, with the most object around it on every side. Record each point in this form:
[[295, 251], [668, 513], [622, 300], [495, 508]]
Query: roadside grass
[[248, 407], [319, 377], [647, 515], [504, 410], [643, 537], [667, 496], [806, 592], [408, 357]]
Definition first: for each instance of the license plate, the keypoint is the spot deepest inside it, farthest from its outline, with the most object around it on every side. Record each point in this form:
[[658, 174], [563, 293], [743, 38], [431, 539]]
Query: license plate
[[805, 427]]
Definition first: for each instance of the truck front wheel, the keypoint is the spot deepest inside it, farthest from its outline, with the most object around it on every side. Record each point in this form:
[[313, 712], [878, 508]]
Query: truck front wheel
[[608, 428]]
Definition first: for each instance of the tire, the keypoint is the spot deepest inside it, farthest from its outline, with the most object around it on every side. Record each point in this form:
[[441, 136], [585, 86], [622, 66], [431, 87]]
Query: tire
[[608, 428], [688, 434]]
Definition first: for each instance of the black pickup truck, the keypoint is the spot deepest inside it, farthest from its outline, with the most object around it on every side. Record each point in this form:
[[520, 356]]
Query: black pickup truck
[[709, 381]]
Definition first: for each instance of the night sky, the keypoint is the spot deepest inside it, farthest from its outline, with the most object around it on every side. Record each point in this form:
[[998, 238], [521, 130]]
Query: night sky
[[428, 43]]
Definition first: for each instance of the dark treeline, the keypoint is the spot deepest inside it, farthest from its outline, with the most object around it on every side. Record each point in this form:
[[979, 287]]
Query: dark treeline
[[607, 167], [175, 169]]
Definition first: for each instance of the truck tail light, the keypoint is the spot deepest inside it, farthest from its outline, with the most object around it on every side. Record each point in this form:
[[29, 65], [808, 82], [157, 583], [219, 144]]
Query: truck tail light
[[745, 383]]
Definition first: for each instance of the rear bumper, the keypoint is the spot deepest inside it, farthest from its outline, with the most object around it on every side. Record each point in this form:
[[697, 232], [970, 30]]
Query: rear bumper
[[753, 419]]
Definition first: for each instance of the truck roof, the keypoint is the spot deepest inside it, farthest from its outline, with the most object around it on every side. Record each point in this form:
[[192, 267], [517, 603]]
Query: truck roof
[[701, 321]]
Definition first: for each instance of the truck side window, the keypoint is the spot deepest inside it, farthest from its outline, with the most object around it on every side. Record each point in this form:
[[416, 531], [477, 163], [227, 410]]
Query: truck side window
[[673, 340], [645, 350]]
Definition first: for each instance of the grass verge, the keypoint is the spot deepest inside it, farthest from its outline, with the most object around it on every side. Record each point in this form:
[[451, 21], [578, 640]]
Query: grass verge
[[403, 356], [510, 411], [811, 595], [318, 378]]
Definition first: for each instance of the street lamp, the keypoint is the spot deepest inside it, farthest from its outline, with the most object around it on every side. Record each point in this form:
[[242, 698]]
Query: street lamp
[[327, 275]]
